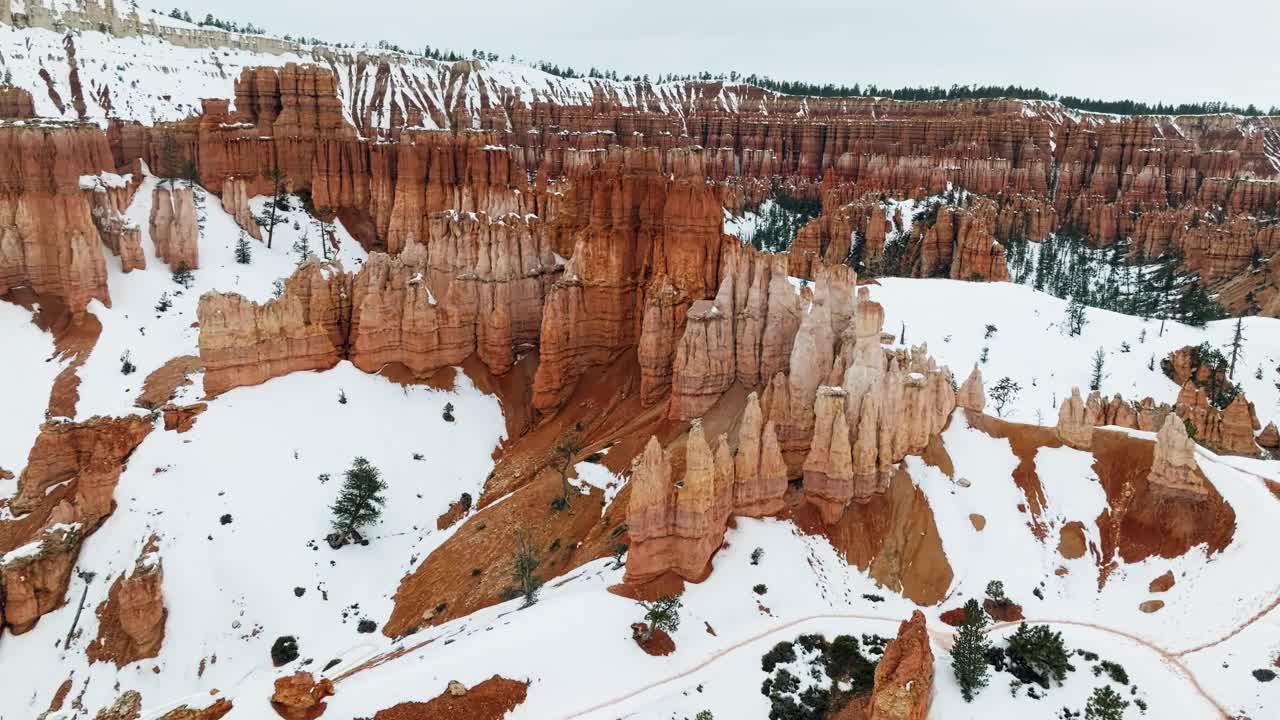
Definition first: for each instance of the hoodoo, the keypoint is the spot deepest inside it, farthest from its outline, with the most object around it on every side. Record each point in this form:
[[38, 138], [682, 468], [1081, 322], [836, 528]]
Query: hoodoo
[[381, 360]]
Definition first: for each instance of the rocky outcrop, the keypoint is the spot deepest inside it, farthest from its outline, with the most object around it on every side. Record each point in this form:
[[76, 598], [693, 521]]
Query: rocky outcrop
[[677, 527], [760, 472], [904, 676], [109, 197], [173, 226], [34, 576], [1269, 438], [181, 418], [63, 494], [478, 288], [630, 232], [243, 343], [15, 103], [48, 238], [491, 699], [828, 469], [1077, 419], [235, 201], [971, 396], [1173, 466], [218, 710], [131, 620], [704, 361], [1227, 431], [300, 696]]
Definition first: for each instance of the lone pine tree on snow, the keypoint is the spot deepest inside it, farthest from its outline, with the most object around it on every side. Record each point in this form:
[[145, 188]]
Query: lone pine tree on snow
[[969, 656], [359, 502]]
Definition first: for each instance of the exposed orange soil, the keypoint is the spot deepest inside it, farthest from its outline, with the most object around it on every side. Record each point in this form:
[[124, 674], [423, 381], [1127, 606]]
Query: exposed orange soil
[[73, 336], [472, 569], [163, 382], [489, 700], [892, 536], [1148, 520]]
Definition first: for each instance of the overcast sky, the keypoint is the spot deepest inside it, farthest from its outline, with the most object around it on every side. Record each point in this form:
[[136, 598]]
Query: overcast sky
[[1170, 50]]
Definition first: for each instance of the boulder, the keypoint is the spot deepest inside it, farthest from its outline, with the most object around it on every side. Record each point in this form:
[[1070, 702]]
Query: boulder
[[300, 697]]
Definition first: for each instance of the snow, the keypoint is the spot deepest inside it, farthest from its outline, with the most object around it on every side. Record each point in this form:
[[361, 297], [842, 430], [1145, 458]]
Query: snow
[[744, 226], [1030, 346], [30, 366], [104, 180], [132, 324], [257, 455], [138, 71], [595, 474], [22, 552]]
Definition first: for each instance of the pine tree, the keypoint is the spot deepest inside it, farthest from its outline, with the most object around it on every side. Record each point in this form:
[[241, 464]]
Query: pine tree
[[1237, 344], [277, 188], [168, 159], [1099, 363], [1105, 704], [522, 567], [244, 255], [359, 502], [1076, 318], [1036, 651], [661, 614], [302, 246], [565, 450], [183, 276], [1004, 392], [969, 655]]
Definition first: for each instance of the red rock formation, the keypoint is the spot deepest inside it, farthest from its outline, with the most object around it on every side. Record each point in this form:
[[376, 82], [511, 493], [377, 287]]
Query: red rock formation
[[704, 360], [182, 418], [904, 676], [760, 473], [173, 227], [48, 239], [242, 343], [488, 700], [235, 200], [216, 711], [1228, 431], [676, 527], [1077, 419], [1269, 437], [828, 470], [63, 494], [1174, 464], [131, 619], [109, 201], [300, 696], [15, 103], [971, 396], [630, 231]]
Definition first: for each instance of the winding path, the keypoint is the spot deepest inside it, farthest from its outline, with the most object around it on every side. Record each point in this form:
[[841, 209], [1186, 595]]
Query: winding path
[[943, 638]]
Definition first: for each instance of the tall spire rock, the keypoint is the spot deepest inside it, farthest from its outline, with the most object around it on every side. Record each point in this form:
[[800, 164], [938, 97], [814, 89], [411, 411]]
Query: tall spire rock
[[704, 361], [972, 397], [904, 676], [1173, 465], [676, 527], [828, 469]]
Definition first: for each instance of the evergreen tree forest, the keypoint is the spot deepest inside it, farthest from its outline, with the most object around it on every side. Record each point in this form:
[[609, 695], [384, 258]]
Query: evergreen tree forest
[[1112, 278], [785, 87], [778, 220]]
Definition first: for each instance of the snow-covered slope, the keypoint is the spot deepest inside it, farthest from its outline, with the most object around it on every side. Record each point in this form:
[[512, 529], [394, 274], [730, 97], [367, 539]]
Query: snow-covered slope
[[240, 507], [135, 325], [1031, 346]]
